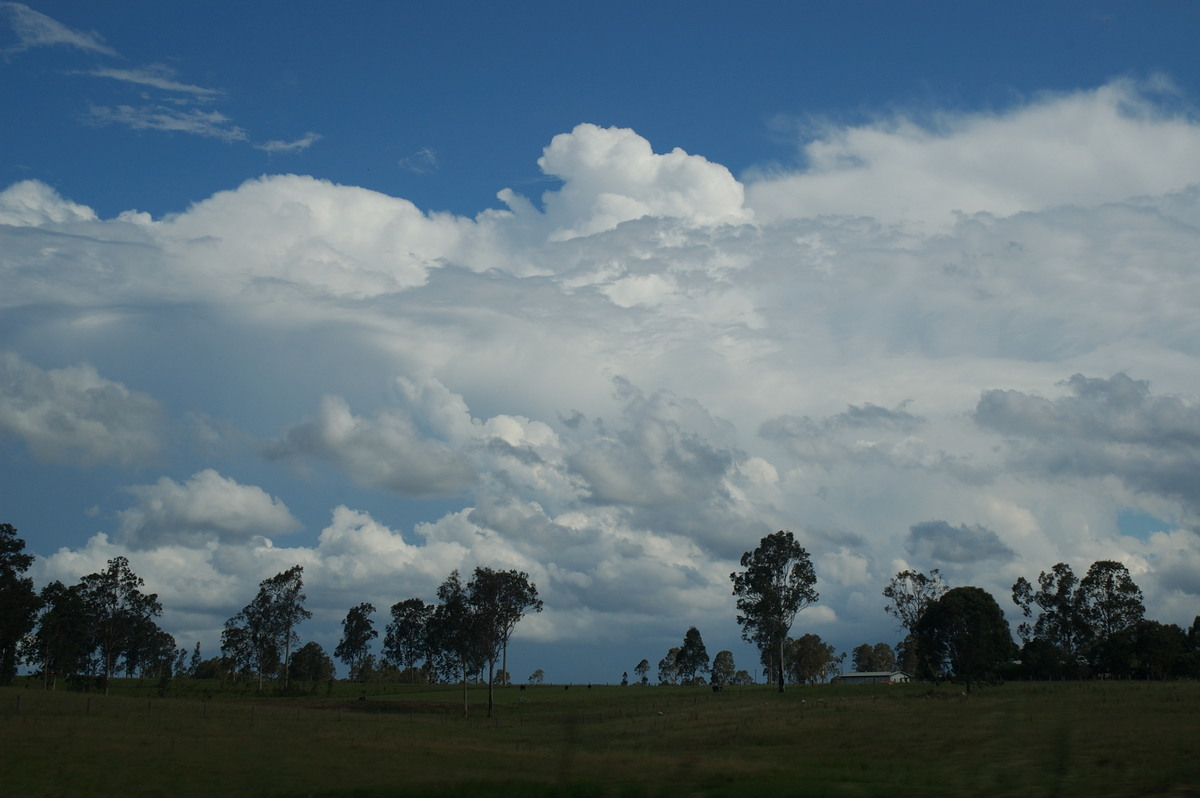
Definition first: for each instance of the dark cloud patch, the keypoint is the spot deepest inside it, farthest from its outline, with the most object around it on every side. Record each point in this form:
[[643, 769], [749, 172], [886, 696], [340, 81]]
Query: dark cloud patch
[[939, 542], [868, 436], [387, 451], [858, 417], [875, 417], [1104, 427]]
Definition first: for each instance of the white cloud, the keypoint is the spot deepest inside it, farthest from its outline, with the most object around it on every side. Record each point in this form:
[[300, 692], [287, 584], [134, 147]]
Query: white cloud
[[1083, 148], [35, 29], [387, 451], [611, 175], [283, 231], [422, 162], [156, 76], [32, 203], [208, 124], [206, 508], [73, 415], [297, 145], [625, 392]]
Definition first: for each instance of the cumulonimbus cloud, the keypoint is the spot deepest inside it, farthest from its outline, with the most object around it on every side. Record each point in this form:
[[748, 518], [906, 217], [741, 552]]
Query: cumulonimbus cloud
[[624, 391]]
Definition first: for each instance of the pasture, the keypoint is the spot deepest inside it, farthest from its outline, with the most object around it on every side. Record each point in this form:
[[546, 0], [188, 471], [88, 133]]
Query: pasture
[[1027, 739]]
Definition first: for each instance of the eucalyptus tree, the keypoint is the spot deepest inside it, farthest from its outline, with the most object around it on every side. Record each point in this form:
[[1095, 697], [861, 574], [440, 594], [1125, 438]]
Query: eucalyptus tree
[[692, 657], [668, 667], [406, 637], [963, 636], [263, 632], [1079, 619], [1110, 602], [878, 657], [19, 602], [910, 592], [311, 665], [357, 634], [641, 670], [722, 668], [458, 636], [500, 599], [809, 658], [61, 642], [777, 583], [119, 615]]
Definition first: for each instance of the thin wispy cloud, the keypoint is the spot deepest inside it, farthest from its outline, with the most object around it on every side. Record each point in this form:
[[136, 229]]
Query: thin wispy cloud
[[299, 145], [171, 107], [157, 77], [208, 124], [34, 29], [422, 162]]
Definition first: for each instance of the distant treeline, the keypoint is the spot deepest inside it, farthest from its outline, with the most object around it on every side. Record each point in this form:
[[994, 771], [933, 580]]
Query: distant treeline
[[1074, 628]]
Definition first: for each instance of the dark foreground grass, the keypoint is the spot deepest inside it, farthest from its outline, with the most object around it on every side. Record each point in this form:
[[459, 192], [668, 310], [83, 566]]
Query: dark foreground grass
[[1062, 739]]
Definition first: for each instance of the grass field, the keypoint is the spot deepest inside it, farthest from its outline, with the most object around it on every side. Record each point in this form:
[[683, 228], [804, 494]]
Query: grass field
[[1030, 739]]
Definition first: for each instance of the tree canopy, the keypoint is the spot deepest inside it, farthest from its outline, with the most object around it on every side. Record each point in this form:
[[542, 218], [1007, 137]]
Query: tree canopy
[[261, 636], [777, 583], [1078, 623], [354, 649], [964, 637], [120, 616], [692, 657], [19, 602]]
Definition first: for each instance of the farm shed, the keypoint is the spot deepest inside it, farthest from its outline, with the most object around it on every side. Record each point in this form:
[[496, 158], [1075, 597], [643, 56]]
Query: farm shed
[[873, 677]]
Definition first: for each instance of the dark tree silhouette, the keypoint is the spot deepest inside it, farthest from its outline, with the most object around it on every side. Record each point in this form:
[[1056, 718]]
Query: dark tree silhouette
[[119, 614], [775, 586], [406, 638], [19, 602], [357, 634], [692, 657], [964, 637], [499, 600], [263, 632]]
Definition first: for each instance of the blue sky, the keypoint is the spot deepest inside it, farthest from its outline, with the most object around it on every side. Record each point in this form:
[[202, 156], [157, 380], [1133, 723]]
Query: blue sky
[[604, 292]]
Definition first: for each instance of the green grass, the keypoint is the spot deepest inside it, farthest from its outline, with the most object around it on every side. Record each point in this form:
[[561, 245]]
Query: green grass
[[1061, 739]]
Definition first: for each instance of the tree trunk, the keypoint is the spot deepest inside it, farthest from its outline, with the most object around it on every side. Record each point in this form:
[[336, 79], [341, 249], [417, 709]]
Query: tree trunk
[[779, 665], [464, 673], [491, 684], [287, 656]]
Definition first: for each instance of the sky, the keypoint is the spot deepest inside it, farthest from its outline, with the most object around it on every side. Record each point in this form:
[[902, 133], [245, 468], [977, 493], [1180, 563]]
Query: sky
[[604, 293]]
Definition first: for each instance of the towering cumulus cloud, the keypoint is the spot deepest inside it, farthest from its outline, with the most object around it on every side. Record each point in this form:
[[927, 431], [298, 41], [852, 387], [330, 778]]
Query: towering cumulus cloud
[[621, 388], [611, 175]]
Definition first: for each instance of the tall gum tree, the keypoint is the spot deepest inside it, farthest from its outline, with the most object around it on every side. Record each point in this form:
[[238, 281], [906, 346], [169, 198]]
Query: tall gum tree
[[500, 599], [118, 612], [777, 583], [265, 630], [357, 633]]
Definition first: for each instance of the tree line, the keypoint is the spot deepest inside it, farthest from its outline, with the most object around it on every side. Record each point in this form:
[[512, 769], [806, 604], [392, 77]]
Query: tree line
[[106, 626], [456, 638], [1089, 627], [1073, 628]]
